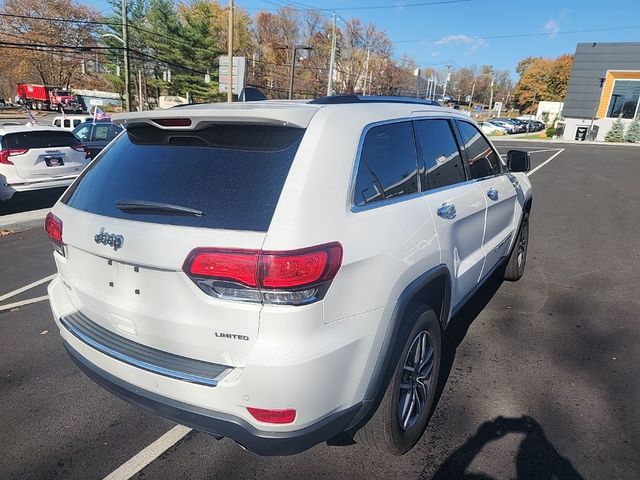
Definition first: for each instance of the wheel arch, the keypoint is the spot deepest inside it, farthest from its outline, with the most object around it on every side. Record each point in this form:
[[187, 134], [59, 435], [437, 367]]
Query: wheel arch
[[432, 289]]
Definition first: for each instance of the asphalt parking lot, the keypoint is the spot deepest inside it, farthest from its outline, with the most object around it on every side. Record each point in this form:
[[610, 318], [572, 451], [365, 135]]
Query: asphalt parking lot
[[540, 378]]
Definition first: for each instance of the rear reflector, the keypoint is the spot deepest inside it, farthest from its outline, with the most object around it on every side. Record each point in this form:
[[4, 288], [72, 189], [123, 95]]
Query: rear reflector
[[286, 277], [53, 227], [273, 416], [173, 122]]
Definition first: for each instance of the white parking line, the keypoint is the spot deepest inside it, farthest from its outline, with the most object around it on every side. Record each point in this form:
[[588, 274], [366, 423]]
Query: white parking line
[[26, 287], [545, 162], [22, 303], [149, 454], [537, 151]]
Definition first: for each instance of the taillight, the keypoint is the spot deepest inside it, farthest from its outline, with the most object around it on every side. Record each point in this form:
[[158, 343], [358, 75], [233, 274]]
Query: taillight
[[287, 415], [82, 148], [235, 266], [279, 277], [53, 227], [5, 154]]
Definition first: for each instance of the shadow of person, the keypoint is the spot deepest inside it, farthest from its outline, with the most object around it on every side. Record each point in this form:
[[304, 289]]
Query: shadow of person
[[536, 458]]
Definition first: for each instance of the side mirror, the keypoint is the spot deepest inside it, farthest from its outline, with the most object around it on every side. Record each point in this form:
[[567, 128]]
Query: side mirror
[[518, 161]]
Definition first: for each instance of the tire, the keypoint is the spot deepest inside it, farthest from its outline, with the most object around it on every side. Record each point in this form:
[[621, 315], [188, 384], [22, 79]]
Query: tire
[[389, 431], [518, 258]]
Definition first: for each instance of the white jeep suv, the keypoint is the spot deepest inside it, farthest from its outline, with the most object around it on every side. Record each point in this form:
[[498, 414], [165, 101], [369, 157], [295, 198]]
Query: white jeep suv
[[280, 273]]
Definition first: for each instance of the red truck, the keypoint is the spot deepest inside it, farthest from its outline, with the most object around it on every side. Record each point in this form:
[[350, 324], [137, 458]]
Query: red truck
[[47, 97]]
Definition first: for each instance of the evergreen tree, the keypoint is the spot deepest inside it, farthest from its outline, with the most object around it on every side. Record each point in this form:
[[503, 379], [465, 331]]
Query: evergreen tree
[[633, 134], [616, 134]]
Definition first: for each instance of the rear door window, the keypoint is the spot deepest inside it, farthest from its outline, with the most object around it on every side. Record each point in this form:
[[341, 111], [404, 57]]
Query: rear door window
[[387, 166], [439, 157], [100, 132], [232, 173], [483, 160], [83, 132], [39, 139]]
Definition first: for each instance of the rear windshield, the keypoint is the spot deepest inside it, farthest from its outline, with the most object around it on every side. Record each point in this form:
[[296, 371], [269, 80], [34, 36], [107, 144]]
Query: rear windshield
[[39, 139], [233, 174]]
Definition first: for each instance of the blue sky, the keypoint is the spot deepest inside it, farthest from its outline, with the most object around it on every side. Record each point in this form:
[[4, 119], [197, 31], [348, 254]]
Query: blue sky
[[460, 32]]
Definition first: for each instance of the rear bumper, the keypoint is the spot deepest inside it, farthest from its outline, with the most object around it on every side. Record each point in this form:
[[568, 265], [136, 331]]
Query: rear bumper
[[7, 190], [219, 424]]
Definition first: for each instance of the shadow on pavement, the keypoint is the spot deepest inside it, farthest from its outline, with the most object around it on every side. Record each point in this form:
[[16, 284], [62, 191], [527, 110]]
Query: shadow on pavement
[[459, 326], [27, 201], [536, 459]]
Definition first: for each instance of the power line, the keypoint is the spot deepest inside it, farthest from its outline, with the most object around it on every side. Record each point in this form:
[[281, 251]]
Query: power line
[[298, 5], [535, 34], [396, 5], [85, 48], [94, 22]]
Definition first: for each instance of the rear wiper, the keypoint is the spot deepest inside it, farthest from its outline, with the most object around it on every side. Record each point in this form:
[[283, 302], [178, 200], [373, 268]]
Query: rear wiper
[[143, 206]]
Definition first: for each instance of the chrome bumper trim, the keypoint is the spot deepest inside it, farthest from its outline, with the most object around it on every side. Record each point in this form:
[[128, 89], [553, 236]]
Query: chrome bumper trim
[[141, 356]]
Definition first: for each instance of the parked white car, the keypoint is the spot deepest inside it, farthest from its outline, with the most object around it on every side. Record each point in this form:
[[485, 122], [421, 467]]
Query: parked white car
[[280, 273], [35, 158], [491, 129], [69, 122]]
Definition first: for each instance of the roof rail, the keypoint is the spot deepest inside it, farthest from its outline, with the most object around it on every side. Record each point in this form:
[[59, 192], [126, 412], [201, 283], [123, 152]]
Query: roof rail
[[345, 99]]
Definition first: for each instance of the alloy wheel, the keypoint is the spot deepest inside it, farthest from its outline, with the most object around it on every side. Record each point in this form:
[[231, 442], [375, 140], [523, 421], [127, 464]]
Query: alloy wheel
[[416, 381]]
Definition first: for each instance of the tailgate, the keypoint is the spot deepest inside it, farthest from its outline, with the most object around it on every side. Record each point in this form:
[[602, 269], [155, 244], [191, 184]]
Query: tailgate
[[139, 291], [39, 164], [153, 196]]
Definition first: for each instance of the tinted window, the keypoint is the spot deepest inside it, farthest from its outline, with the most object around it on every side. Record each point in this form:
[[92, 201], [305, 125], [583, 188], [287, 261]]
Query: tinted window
[[114, 131], [483, 161], [387, 166], [232, 173], [83, 132], [624, 99], [39, 139], [77, 122], [57, 122], [438, 152]]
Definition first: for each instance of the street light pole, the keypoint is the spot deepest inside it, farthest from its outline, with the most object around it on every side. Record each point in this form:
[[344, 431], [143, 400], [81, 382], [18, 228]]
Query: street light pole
[[230, 56], [125, 41], [292, 70]]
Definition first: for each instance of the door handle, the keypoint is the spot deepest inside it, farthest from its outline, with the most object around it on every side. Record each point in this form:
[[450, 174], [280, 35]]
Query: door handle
[[447, 211], [492, 193]]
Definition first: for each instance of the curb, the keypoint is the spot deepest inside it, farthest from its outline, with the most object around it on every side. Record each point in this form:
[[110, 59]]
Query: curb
[[24, 220], [563, 142]]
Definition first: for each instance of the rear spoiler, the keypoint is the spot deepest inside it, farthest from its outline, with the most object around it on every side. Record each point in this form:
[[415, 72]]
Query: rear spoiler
[[193, 117]]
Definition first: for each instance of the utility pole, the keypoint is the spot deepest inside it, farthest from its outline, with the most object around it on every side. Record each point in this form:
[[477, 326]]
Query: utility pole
[[230, 56], [333, 59], [125, 38], [366, 72]]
